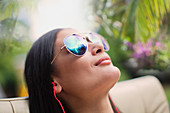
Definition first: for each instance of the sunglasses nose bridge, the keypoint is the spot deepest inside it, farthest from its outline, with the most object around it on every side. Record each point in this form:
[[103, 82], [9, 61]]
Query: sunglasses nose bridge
[[87, 39]]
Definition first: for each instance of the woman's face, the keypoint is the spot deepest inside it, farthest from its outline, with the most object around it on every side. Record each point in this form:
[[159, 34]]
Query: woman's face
[[83, 75]]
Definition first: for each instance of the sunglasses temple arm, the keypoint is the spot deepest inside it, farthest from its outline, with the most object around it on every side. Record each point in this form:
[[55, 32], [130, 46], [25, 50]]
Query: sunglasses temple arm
[[57, 54]]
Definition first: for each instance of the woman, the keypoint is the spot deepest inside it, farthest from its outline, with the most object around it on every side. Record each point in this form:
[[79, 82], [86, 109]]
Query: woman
[[68, 71]]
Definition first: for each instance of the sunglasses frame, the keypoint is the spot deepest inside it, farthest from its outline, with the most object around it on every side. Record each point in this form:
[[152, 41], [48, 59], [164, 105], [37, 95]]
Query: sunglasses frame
[[73, 53]]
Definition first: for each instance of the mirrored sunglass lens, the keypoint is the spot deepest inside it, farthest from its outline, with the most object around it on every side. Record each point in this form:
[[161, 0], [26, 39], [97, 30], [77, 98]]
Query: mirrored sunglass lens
[[106, 46], [75, 44], [96, 38]]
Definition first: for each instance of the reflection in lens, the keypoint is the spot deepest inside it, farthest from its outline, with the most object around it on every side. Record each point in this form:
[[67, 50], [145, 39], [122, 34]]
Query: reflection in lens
[[75, 44], [96, 38], [79, 50]]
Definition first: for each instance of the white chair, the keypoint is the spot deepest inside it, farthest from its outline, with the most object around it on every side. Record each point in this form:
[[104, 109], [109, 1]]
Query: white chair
[[140, 95]]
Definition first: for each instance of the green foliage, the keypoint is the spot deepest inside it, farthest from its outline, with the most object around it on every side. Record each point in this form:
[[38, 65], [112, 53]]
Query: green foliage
[[151, 19], [128, 21], [14, 40], [9, 49], [13, 47], [138, 19], [167, 91], [8, 77], [8, 8], [134, 21], [11, 8], [162, 57]]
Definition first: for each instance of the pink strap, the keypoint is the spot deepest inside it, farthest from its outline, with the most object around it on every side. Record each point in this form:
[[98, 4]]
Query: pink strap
[[57, 98], [113, 104]]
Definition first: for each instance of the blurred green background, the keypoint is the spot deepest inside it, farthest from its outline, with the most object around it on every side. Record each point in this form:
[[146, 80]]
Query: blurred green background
[[138, 32], [139, 35]]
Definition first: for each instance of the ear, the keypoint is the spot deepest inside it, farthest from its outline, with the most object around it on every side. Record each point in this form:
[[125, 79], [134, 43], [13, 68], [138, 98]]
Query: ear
[[58, 88]]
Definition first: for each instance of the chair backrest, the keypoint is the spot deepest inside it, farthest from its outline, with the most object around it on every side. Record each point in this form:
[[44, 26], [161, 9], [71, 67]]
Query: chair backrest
[[140, 95]]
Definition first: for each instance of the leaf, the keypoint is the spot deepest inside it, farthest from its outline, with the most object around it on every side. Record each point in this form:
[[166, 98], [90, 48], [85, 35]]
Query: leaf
[[128, 20]]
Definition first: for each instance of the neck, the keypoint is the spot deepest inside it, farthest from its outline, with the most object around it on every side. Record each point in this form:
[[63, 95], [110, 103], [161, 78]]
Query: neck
[[90, 105]]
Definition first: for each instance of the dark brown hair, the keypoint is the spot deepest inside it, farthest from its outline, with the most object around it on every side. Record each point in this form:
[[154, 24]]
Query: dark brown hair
[[38, 75]]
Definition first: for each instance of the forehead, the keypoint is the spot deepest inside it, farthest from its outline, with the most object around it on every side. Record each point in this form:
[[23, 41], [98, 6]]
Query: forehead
[[61, 35]]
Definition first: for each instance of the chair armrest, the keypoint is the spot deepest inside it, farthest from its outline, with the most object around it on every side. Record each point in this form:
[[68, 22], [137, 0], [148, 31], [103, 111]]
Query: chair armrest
[[14, 105]]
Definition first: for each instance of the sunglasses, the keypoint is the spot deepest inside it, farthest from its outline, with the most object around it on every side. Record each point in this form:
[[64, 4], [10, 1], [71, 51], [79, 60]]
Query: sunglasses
[[78, 45]]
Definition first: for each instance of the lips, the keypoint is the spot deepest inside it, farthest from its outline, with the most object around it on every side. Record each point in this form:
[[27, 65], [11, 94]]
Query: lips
[[103, 61]]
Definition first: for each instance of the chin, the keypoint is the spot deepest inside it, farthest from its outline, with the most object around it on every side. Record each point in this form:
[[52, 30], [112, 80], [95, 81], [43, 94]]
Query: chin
[[112, 75], [115, 75], [106, 78]]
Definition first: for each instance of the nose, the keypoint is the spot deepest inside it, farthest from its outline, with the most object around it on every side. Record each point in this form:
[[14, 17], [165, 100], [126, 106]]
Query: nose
[[95, 48]]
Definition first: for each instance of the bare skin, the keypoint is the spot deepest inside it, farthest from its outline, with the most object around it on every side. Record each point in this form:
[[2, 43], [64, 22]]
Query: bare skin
[[82, 84]]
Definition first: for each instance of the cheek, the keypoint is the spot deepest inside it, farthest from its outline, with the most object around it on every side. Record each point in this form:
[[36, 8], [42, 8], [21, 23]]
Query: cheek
[[75, 68], [74, 74]]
